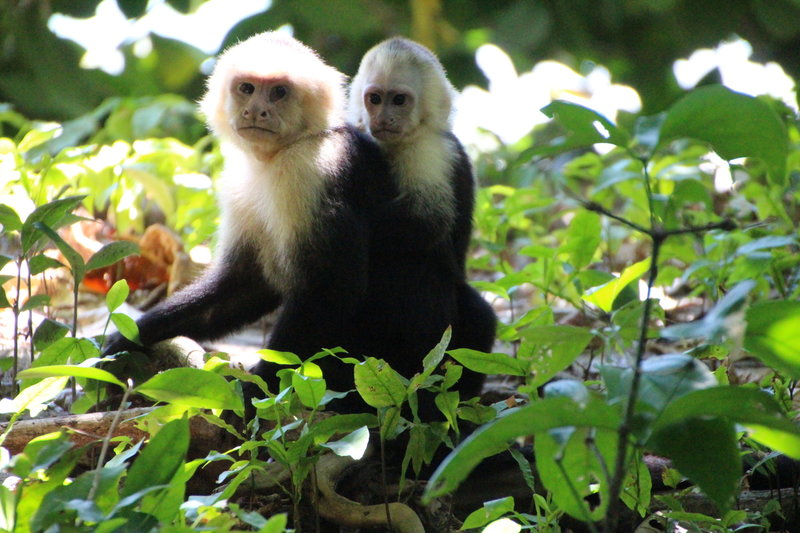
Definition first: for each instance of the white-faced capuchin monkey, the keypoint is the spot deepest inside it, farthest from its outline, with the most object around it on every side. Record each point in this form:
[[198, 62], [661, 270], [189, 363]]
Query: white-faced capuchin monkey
[[295, 224], [401, 96]]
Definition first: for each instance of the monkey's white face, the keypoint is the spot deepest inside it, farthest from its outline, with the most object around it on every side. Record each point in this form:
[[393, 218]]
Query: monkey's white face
[[264, 112], [392, 110]]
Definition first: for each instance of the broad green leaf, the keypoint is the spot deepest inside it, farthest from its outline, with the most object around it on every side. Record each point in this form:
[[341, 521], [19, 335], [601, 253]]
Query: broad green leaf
[[191, 387], [734, 124], [569, 388], [491, 510], [117, 295], [52, 215], [773, 335], [71, 371], [36, 397], [76, 264], [67, 350], [35, 301], [712, 461], [552, 349], [664, 379], [715, 324], [126, 326], [280, 358], [379, 384], [160, 459], [353, 444], [324, 429], [582, 239], [585, 127], [309, 390], [489, 363], [40, 262], [39, 135], [766, 243], [494, 437], [603, 296], [754, 409], [566, 468], [111, 253], [9, 219], [276, 524]]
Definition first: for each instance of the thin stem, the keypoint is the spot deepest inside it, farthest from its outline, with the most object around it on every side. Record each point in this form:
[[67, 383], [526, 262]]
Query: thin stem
[[615, 488], [104, 450], [597, 208]]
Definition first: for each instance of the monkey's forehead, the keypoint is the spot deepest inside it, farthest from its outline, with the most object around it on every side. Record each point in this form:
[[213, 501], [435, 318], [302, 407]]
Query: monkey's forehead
[[259, 77]]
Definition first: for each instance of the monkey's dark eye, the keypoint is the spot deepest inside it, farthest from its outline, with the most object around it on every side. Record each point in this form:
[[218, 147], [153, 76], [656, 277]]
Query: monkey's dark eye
[[399, 99], [277, 93], [375, 99], [247, 88]]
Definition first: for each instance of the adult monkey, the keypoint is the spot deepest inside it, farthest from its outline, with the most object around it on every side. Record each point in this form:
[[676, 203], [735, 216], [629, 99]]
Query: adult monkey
[[401, 96], [295, 201]]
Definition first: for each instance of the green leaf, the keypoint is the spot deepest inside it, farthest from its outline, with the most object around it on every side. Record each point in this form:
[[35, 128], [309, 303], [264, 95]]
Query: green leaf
[[48, 332], [491, 510], [734, 124], [77, 266], [67, 350], [309, 390], [766, 243], [126, 326], [584, 126], [773, 335], [191, 387], [52, 215], [489, 363], [754, 409], [435, 356], [40, 262], [603, 296], [71, 371], [111, 253], [713, 326], [582, 239], [664, 379], [379, 384], [494, 437], [37, 300], [9, 219], [566, 468], [712, 462], [36, 397], [280, 358], [324, 429], [160, 460], [353, 444], [552, 349], [117, 295]]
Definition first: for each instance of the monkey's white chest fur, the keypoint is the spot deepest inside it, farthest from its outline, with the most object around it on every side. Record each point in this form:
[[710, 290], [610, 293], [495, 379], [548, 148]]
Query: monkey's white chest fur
[[424, 168], [272, 206]]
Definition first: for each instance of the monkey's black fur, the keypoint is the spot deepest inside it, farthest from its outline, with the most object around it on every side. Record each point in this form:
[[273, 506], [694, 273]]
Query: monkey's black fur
[[372, 277]]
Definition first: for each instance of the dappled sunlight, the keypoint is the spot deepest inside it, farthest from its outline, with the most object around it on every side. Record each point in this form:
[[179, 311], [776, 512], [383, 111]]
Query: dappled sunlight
[[732, 59], [511, 106], [104, 34]]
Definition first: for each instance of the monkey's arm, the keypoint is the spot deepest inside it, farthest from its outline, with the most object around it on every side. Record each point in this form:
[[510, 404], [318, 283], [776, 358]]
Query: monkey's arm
[[463, 181], [232, 293]]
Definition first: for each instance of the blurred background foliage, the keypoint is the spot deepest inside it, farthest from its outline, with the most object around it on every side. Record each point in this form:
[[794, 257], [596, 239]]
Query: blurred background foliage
[[637, 40]]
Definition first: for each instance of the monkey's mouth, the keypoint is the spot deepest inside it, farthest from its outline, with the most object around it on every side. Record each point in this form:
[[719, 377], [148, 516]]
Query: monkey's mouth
[[385, 133], [254, 129]]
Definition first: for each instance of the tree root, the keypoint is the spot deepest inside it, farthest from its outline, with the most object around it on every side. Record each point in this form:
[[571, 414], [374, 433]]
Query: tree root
[[343, 511]]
